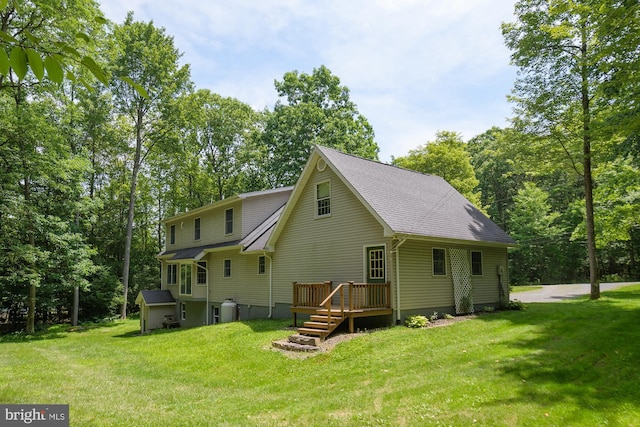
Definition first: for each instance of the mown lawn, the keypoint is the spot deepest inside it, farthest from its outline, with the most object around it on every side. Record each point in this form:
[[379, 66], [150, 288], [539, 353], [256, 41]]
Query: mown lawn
[[572, 363]]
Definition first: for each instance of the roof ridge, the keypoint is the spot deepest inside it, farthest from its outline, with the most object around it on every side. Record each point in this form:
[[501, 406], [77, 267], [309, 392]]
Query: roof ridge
[[377, 162]]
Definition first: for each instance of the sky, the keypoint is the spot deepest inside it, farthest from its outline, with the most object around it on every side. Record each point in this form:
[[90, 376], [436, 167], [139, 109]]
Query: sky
[[413, 67]]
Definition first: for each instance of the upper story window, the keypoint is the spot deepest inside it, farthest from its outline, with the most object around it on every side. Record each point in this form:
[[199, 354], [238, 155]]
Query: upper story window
[[262, 264], [476, 263], [228, 221], [172, 235], [201, 273], [172, 274], [439, 262], [323, 199], [196, 229]]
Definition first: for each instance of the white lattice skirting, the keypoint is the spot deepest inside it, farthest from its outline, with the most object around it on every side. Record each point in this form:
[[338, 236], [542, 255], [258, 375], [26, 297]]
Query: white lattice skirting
[[461, 273]]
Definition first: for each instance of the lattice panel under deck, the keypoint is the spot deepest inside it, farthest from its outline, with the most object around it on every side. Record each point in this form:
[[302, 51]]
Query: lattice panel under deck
[[461, 273]]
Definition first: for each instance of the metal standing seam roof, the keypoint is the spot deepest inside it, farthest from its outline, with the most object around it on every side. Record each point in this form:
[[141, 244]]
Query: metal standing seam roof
[[257, 239], [414, 203]]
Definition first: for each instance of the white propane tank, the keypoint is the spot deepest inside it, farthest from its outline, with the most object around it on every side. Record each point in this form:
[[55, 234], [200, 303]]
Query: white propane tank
[[228, 311]]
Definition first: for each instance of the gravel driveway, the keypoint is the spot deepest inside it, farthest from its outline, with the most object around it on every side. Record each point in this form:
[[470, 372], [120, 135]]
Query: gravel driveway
[[555, 293]]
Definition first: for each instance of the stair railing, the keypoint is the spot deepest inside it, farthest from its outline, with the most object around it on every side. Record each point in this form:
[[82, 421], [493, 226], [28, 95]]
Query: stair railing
[[327, 302]]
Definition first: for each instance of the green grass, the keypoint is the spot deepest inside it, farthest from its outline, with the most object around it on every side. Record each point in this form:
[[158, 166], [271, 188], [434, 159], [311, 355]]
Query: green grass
[[524, 288], [572, 363]]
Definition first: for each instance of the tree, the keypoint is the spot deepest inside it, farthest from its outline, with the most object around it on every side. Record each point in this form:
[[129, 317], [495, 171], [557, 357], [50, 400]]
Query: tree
[[146, 54], [445, 157], [570, 55], [532, 224], [317, 110], [496, 167]]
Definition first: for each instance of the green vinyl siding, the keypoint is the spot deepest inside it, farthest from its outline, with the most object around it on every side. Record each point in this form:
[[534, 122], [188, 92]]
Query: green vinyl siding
[[312, 249], [420, 289], [245, 286]]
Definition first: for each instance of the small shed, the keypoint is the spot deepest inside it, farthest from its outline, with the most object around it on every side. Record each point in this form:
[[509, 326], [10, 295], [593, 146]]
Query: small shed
[[155, 307]]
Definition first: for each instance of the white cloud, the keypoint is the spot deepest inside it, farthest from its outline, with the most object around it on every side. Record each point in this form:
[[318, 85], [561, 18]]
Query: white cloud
[[413, 66]]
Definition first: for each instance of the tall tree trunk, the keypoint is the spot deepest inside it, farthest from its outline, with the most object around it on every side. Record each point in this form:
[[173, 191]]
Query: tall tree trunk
[[132, 205], [588, 179]]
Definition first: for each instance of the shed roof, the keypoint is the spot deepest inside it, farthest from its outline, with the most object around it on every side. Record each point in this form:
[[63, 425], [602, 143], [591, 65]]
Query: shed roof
[[155, 297]]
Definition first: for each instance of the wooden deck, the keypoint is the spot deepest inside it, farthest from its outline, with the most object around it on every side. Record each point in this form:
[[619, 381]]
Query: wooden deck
[[329, 307]]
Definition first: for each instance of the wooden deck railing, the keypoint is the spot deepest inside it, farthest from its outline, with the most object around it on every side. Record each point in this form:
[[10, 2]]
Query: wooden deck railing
[[369, 295], [310, 294], [360, 296]]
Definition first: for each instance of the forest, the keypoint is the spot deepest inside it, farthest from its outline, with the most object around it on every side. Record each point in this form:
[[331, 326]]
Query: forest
[[103, 134]]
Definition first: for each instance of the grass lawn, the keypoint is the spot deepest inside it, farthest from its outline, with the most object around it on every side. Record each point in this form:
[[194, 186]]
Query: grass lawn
[[571, 363], [524, 288]]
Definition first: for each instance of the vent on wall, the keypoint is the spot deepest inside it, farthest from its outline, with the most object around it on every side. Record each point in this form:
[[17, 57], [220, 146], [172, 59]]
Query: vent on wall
[[321, 165]]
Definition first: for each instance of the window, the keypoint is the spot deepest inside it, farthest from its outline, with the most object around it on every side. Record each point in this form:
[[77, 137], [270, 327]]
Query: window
[[183, 311], [323, 199], [215, 314], [201, 273], [227, 268], [185, 279], [228, 221], [172, 235], [476, 263], [439, 263], [172, 274], [262, 264], [196, 229]]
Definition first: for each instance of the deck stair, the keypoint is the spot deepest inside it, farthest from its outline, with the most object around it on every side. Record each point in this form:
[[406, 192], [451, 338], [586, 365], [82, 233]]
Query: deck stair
[[322, 324]]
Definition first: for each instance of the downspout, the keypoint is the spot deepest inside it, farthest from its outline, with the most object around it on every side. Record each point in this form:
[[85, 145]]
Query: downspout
[[270, 284], [397, 252]]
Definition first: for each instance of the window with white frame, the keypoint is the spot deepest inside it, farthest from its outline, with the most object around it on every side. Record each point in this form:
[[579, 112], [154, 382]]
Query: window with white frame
[[476, 263], [201, 273], [172, 274], [262, 264], [196, 229], [172, 235], [439, 262], [323, 199], [185, 279], [183, 311], [228, 221], [226, 271]]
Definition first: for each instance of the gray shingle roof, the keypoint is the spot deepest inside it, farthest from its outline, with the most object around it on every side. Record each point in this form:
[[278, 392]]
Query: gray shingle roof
[[157, 296], [195, 252], [413, 203]]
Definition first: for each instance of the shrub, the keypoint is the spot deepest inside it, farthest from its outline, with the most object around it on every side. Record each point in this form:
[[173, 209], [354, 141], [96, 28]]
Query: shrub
[[434, 316], [448, 316], [489, 309], [516, 305], [417, 321]]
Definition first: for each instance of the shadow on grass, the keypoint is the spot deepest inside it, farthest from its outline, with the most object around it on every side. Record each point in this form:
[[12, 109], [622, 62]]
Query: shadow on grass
[[580, 352], [54, 332], [256, 325]]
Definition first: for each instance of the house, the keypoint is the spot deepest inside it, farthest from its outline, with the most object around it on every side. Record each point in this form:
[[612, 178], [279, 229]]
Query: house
[[414, 243]]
